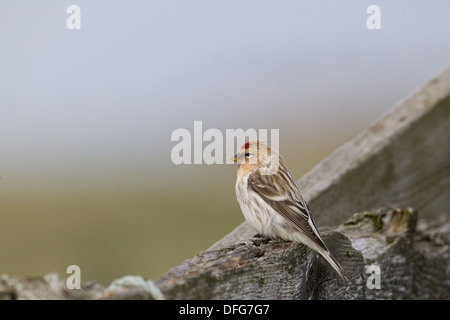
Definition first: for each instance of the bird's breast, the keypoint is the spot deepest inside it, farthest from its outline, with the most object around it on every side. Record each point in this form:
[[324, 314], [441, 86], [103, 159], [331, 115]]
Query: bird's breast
[[257, 213]]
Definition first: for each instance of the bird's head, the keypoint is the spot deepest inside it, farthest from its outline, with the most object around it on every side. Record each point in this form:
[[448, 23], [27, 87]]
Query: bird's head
[[255, 155]]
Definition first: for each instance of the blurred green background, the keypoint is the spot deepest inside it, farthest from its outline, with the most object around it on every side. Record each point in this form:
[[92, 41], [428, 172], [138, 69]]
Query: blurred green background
[[86, 115]]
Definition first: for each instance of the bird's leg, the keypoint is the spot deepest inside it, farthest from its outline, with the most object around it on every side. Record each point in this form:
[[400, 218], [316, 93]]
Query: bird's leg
[[279, 240]]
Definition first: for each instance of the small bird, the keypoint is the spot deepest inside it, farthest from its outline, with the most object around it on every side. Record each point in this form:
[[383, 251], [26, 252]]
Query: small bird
[[272, 202]]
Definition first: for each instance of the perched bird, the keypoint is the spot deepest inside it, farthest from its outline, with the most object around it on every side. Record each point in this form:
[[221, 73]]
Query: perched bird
[[272, 202]]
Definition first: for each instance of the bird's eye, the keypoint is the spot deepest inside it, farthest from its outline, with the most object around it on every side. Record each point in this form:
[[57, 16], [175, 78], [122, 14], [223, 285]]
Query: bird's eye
[[247, 154]]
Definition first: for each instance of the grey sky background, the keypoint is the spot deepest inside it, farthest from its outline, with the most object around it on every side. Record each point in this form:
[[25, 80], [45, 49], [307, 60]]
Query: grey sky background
[[108, 96], [86, 115]]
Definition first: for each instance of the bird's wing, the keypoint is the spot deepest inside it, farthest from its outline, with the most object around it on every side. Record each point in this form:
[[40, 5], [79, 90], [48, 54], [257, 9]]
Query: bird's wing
[[289, 203]]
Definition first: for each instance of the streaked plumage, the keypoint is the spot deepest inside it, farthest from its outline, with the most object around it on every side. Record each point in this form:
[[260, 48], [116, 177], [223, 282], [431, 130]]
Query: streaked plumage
[[272, 203]]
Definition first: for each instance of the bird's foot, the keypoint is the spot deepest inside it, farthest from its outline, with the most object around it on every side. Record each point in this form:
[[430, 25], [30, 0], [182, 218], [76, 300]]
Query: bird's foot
[[258, 239]]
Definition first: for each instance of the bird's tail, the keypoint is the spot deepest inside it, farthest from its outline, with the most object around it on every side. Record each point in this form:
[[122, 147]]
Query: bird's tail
[[335, 264]]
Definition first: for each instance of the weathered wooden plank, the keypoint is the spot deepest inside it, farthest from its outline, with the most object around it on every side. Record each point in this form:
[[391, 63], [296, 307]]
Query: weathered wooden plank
[[413, 262], [258, 268]]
